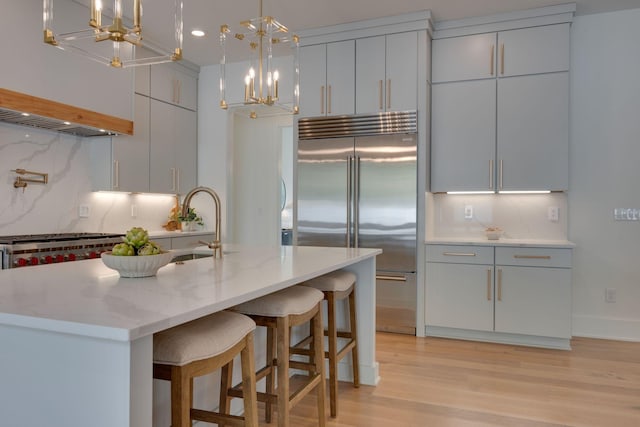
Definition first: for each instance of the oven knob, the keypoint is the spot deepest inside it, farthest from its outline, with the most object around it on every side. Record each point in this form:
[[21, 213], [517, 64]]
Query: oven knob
[[47, 259], [59, 258], [93, 255], [34, 261], [20, 262], [71, 257]]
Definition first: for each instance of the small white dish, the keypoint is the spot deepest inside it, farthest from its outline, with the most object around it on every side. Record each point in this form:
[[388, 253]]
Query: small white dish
[[137, 266]]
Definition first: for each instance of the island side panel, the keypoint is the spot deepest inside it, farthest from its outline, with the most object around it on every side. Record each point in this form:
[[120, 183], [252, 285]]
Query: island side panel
[[51, 378], [365, 271]]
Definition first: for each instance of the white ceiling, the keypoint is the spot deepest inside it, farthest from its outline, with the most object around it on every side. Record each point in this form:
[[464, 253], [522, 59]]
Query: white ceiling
[[298, 15]]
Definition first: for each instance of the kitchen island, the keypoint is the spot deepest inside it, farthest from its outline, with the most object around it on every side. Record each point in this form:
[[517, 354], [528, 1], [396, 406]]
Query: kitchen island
[[76, 340]]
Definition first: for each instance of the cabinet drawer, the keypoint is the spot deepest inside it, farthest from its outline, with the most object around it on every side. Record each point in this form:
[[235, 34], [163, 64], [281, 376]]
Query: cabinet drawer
[[460, 254], [534, 257]]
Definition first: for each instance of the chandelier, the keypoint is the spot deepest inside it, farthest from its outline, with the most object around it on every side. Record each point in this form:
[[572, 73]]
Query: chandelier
[[262, 79], [112, 43]]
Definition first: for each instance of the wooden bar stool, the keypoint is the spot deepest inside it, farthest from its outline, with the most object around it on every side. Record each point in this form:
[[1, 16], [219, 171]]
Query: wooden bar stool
[[279, 312], [198, 348], [337, 286]]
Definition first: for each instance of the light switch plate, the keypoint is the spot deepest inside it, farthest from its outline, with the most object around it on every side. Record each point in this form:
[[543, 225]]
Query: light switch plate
[[553, 213], [83, 211], [468, 212], [626, 214]]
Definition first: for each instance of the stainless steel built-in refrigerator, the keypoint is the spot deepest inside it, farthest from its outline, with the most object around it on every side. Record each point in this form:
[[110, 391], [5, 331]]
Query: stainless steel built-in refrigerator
[[357, 188]]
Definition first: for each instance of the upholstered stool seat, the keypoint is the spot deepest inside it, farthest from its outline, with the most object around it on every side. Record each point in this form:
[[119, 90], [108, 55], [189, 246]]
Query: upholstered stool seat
[[337, 286], [279, 312], [198, 348]]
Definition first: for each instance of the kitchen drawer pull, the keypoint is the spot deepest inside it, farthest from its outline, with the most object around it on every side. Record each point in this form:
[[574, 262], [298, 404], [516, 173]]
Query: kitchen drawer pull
[[458, 254], [321, 99], [380, 94], [532, 256], [502, 59], [501, 173], [391, 278], [499, 284], [329, 100], [489, 284]]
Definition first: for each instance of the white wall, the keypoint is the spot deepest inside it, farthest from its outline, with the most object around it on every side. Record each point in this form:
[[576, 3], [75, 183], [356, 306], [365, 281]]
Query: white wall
[[604, 153]]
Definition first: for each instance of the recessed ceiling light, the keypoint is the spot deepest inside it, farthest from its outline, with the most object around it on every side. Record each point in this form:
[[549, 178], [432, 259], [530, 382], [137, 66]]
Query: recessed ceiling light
[[26, 114], [67, 123], [197, 33]]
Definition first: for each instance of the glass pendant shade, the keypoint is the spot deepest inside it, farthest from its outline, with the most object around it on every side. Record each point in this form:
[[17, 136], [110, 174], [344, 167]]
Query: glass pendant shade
[[113, 31], [262, 80]]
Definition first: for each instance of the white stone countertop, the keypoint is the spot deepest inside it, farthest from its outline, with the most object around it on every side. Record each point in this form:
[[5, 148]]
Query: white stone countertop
[[483, 241], [87, 298]]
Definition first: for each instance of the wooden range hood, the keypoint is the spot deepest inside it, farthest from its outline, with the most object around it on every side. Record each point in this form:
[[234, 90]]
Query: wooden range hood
[[46, 114]]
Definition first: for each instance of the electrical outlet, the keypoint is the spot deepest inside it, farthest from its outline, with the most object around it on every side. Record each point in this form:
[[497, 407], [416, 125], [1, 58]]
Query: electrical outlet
[[553, 213], [610, 295], [83, 211], [134, 211], [626, 214], [468, 212]]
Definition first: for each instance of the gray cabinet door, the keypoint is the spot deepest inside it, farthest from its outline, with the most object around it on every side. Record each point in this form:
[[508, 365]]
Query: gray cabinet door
[[463, 136], [533, 132]]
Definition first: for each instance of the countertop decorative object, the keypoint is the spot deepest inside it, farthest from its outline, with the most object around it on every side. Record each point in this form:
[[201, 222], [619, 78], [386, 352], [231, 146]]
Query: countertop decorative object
[[137, 266]]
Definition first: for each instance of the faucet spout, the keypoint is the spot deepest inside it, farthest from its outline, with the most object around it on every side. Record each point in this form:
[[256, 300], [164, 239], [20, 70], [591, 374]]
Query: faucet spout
[[216, 245]]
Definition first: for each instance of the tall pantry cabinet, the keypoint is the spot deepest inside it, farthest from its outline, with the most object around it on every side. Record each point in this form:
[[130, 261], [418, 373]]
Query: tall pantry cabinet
[[500, 118]]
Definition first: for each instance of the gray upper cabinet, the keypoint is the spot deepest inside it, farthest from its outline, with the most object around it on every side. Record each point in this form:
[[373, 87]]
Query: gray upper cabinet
[[500, 116], [169, 83], [327, 73], [131, 153], [387, 73], [464, 58], [533, 50]]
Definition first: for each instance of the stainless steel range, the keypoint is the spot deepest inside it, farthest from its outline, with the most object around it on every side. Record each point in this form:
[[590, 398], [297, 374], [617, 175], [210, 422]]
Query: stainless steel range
[[35, 249]]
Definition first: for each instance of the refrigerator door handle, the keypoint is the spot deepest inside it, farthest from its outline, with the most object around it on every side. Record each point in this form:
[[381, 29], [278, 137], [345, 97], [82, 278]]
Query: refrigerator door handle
[[356, 203], [349, 198]]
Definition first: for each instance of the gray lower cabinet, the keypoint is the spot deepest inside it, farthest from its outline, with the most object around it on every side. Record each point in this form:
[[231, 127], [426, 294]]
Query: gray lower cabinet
[[516, 295]]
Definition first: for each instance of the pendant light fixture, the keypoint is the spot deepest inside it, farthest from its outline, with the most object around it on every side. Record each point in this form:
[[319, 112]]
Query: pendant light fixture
[[262, 79], [112, 43]]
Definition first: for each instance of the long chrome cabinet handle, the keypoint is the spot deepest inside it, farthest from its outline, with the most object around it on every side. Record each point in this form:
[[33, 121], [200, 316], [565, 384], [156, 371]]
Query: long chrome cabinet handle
[[489, 284], [499, 284], [532, 256], [458, 254], [380, 94], [356, 203], [349, 199], [321, 99]]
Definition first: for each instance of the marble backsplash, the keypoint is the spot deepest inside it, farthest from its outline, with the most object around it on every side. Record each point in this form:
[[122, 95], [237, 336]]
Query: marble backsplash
[[521, 216], [53, 207]]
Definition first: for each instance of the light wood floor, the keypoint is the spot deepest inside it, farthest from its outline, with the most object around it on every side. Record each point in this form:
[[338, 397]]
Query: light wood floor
[[439, 382]]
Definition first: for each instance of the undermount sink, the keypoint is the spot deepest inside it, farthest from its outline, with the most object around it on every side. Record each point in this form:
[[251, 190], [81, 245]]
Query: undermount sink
[[189, 257]]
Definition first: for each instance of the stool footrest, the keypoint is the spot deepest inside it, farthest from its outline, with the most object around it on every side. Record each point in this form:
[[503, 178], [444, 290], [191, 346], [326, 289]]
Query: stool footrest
[[216, 418]]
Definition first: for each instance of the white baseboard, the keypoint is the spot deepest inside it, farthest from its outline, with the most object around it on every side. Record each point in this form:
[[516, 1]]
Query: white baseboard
[[606, 328]]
